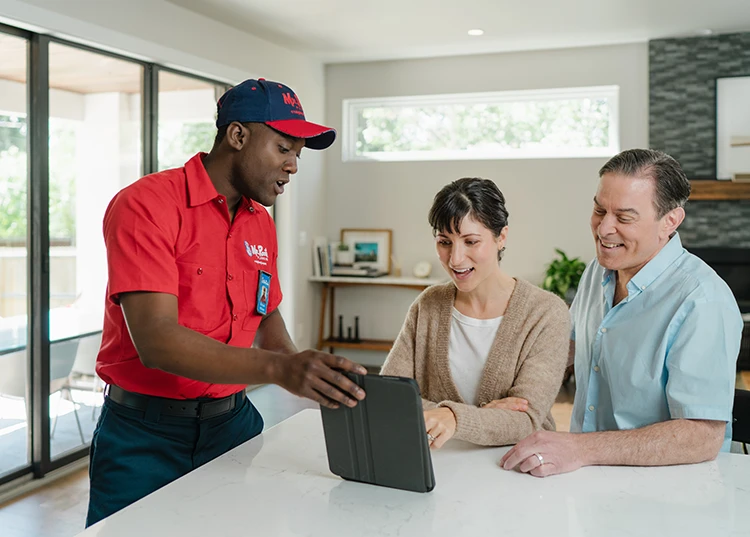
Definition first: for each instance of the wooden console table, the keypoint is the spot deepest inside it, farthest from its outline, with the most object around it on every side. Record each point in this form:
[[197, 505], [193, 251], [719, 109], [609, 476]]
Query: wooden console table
[[329, 285]]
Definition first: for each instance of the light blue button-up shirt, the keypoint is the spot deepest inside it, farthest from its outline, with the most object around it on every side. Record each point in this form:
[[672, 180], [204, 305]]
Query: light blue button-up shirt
[[668, 350]]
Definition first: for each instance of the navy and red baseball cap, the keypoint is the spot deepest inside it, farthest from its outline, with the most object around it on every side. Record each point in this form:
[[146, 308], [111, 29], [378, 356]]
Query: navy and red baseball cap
[[276, 105]]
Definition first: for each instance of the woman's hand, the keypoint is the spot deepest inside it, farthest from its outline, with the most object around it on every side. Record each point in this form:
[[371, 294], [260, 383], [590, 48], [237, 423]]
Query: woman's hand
[[509, 403], [441, 426]]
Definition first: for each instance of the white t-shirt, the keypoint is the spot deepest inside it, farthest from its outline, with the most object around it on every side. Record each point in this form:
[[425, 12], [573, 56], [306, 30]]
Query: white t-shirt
[[470, 343]]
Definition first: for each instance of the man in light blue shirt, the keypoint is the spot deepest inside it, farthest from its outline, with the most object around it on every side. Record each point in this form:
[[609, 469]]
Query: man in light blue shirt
[[656, 334]]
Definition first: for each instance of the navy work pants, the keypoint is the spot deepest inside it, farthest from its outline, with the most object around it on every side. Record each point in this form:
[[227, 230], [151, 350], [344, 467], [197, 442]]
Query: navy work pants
[[134, 453]]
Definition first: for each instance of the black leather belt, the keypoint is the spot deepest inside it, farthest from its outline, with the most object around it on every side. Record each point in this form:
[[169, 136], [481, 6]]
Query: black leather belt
[[184, 408]]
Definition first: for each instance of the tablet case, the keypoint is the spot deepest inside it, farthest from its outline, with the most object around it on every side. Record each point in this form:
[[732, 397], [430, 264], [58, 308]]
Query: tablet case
[[382, 440]]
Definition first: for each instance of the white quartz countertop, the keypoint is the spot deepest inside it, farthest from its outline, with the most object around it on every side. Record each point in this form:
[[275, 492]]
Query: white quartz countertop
[[279, 484]]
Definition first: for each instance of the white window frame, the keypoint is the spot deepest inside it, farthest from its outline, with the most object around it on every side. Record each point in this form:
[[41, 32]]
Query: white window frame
[[352, 107]]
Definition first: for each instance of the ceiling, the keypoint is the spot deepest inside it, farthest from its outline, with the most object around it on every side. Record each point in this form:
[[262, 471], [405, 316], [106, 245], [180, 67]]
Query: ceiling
[[80, 71], [349, 30]]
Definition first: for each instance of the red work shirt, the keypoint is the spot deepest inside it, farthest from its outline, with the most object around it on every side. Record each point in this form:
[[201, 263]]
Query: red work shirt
[[170, 232]]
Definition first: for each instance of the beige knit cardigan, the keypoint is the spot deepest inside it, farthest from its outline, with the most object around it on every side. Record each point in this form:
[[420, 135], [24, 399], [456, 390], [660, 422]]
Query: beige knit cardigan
[[527, 359]]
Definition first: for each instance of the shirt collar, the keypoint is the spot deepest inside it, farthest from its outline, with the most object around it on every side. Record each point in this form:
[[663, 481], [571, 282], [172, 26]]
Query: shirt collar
[[654, 268], [202, 190]]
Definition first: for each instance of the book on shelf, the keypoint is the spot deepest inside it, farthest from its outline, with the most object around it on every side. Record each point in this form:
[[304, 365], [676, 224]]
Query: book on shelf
[[322, 257]]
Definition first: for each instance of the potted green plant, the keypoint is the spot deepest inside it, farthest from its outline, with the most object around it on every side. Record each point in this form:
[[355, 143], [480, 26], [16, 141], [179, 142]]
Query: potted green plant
[[563, 275]]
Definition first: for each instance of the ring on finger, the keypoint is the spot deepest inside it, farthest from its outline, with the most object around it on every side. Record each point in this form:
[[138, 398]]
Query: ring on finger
[[430, 438], [541, 459]]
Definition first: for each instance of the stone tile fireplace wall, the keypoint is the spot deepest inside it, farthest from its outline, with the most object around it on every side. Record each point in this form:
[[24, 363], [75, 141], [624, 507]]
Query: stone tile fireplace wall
[[682, 122], [716, 223]]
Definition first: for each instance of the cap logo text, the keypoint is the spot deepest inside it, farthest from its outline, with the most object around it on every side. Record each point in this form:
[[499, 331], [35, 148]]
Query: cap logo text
[[292, 100]]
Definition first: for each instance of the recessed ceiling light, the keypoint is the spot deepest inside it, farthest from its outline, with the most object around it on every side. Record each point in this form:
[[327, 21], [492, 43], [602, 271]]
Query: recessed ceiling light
[[476, 31]]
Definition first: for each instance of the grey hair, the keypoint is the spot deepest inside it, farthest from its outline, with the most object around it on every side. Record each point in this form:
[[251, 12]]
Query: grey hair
[[671, 185]]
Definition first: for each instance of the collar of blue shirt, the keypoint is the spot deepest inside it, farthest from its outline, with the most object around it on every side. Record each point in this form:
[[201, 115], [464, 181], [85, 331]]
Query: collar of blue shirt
[[653, 269]]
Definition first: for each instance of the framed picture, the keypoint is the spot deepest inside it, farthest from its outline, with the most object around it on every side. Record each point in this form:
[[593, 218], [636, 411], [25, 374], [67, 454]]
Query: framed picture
[[733, 128], [371, 247]]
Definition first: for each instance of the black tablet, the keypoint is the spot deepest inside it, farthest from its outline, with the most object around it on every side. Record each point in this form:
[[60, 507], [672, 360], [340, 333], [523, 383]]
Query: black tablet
[[382, 440]]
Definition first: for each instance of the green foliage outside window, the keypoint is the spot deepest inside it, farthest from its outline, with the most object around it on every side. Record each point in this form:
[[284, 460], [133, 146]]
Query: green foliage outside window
[[511, 125], [13, 179], [179, 141]]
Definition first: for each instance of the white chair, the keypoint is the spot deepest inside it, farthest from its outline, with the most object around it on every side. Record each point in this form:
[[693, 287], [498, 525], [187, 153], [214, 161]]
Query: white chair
[[14, 373], [62, 357], [85, 364]]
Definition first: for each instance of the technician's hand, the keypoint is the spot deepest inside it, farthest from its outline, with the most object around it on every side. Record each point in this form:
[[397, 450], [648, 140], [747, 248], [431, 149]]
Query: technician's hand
[[545, 453], [441, 426], [318, 376], [509, 403]]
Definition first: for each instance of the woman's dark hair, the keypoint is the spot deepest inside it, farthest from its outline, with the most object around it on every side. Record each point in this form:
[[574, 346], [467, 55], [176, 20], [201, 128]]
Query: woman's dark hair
[[473, 196]]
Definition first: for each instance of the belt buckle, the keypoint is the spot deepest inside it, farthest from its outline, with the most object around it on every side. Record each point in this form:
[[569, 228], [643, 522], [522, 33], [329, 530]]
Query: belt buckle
[[224, 406]]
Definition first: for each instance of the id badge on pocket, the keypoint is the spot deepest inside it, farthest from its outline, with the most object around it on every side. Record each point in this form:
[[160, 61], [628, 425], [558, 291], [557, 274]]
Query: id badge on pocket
[[264, 288]]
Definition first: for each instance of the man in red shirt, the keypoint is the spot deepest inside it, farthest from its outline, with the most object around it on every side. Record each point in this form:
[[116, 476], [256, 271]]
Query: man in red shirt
[[192, 316]]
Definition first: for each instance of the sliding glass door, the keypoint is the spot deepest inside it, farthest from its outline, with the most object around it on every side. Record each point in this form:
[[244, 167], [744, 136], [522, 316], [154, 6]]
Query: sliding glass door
[[14, 363], [95, 149], [76, 125], [187, 117]]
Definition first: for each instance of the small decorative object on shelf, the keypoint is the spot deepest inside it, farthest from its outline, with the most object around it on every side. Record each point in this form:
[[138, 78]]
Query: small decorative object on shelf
[[344, 255], [356, 330], [356, 340], [423, 269], [395, 267], [349, 333]]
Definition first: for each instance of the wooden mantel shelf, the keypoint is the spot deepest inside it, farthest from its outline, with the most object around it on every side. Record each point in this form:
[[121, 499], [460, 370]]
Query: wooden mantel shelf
[[719, 190]]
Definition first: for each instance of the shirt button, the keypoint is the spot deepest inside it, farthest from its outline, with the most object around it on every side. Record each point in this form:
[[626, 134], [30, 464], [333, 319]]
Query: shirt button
[[235, 317], [220, 200], [591, 407], [230, 277], [200, 271], [596, 368], [643, 287], [251, 209], [604, 330], [229, 236]]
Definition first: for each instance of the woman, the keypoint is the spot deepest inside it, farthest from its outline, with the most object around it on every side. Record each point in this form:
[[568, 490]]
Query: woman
[[487, 350]]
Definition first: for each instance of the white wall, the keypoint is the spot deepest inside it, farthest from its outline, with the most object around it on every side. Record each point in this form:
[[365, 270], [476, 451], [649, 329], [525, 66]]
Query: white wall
[[549, 200], [158, 31]]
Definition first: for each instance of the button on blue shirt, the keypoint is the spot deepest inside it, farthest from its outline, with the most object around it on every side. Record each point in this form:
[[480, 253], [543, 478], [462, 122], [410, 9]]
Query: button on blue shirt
[[668, 350]]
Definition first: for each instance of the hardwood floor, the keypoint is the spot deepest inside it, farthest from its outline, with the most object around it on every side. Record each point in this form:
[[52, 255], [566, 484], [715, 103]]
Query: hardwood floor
[[59, 509]]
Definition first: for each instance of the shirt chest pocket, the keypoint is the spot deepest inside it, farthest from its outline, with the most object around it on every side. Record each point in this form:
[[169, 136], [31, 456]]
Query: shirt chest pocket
[[202, 296]]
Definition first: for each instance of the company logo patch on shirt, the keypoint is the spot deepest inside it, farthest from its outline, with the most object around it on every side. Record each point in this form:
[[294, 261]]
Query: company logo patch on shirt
[[258, 252]]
